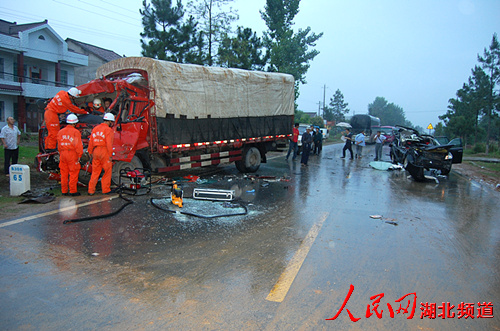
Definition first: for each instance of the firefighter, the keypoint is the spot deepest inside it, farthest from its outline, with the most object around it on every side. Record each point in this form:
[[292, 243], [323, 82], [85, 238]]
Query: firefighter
[[96, 107], [59, 104], [69, 141], [101, 150]]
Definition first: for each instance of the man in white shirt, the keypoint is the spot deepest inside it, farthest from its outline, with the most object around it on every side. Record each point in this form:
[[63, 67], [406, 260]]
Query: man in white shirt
[[359, 140], [11, 136], [379, 143]]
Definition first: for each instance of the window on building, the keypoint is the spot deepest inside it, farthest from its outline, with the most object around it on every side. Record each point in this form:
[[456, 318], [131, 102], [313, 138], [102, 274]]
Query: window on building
[[16, 110], [64, 77], [1, 68], [2, 111], [35, 77], [41, 37]]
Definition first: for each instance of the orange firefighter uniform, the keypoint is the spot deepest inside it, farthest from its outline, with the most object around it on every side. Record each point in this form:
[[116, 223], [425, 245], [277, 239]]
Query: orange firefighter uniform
[[70, 148], [101, 149], [58, 105]]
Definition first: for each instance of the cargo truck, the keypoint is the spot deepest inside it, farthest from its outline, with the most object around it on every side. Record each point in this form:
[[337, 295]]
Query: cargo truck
[[172, 116]]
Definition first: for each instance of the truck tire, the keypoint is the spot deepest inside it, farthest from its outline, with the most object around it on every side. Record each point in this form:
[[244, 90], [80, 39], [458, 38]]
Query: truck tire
[[84, 176], [119, 165], [250, 161]]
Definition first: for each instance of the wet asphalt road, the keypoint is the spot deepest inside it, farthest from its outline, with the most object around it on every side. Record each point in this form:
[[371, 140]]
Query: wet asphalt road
[[287, 265]]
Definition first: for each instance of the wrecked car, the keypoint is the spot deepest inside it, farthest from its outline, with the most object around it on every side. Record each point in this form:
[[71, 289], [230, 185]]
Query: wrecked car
[[419, 153]]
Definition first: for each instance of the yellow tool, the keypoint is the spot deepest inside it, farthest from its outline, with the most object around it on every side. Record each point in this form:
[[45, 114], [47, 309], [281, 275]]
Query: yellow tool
[[176, 195]]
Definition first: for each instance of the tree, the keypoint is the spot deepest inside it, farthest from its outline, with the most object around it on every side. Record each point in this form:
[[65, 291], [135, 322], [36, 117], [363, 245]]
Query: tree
[[318, 121], [490, 62], [245, 51], [389, 113], [165, 36], [289, 50], [463, 114], [302, 117], [214, 22], [338, 108]]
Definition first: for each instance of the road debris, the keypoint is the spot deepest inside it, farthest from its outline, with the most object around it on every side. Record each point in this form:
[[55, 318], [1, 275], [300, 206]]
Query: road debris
[[40, 198]]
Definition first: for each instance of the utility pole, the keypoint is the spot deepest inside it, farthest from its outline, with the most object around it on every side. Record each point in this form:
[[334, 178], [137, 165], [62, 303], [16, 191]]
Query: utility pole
[[324, 95], [319, 108]]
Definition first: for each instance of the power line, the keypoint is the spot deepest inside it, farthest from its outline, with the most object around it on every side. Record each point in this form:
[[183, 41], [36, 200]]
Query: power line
[[106, 9], [88, 11], [71, 27], [114, 6]]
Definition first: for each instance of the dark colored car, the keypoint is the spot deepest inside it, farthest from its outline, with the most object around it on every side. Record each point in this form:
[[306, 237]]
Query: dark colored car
[[419, 152]]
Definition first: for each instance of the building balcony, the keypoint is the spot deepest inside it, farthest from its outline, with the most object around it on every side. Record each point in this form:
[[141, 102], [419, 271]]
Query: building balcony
[[32, 90]]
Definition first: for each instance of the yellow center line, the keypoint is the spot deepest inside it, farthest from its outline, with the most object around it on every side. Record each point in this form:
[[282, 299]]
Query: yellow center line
[[59, 210], [280, 289]]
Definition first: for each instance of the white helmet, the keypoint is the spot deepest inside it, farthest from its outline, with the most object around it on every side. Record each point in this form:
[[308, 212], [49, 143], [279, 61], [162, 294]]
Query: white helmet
[[74, 92], [109, 117], [71, 119], [97, 103]]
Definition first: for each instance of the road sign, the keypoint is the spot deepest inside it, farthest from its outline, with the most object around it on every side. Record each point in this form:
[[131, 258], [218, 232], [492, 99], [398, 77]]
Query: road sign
[[430, 126]]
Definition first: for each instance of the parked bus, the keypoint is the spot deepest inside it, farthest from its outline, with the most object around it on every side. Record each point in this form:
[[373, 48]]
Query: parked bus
[[365, 122]]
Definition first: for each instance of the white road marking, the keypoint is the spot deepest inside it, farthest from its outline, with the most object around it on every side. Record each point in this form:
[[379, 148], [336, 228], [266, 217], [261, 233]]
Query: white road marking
[[59, 210], [280, 289]]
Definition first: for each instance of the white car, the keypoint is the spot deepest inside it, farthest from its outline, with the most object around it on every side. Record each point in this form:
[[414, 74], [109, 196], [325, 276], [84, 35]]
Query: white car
[[325, 132]]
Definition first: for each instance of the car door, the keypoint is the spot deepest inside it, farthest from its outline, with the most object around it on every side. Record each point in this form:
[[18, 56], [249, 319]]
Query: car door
[[457, 150]]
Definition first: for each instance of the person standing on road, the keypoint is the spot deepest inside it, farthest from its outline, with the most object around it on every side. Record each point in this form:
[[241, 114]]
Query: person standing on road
[[318, 142], [101, 149], [379, 143], [348, 143], [69, 144], [293, 143], [306, 146], [60, 103], [360, 143], [11, 137]]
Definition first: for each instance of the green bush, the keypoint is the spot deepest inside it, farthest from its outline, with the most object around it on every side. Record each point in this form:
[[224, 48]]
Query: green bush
[[493, 148], [479, 148]]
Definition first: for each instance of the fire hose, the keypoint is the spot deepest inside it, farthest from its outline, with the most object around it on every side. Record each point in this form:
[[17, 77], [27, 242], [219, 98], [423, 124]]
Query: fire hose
[[84, 219], [197, 215]]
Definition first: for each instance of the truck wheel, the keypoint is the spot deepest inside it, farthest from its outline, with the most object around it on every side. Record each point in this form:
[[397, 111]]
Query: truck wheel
[[119, 165], [84, 177], [250, 161], [240, 166]]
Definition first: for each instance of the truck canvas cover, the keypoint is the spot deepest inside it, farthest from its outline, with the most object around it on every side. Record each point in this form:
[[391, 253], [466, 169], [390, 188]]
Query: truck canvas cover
[[197, 103], [197, 91]]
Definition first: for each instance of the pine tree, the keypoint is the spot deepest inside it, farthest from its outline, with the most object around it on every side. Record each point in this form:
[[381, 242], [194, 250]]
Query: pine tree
[[289, 51], [165, 36], [244, 51]]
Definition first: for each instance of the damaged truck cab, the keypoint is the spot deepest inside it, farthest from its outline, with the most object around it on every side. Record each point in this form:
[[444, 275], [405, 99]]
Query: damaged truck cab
[[172, 116]]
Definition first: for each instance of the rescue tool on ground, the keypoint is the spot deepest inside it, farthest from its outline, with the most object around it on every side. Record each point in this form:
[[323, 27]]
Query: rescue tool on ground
[[176, 194]]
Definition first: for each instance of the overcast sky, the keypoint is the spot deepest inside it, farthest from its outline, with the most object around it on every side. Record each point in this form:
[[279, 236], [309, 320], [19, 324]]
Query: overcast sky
[[415, 54]]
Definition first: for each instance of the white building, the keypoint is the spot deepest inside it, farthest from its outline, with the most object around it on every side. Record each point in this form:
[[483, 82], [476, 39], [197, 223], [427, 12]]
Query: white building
[[97, 57], [35, 63]]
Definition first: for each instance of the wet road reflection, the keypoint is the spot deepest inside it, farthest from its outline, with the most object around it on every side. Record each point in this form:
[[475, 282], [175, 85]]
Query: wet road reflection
[[150, 269]]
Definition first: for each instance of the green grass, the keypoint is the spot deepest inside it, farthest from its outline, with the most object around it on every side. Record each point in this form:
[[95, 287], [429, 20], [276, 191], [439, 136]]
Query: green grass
[[495, 167], [27, 155]]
